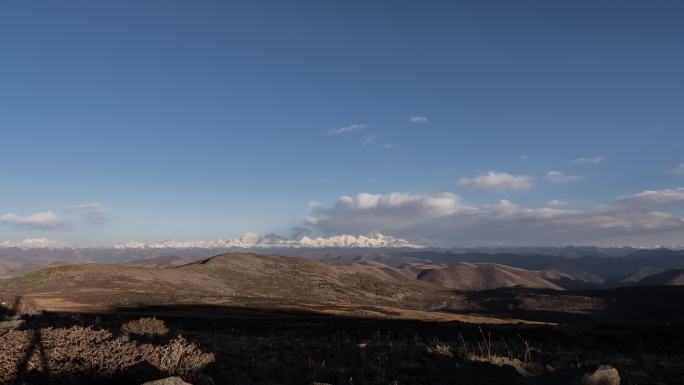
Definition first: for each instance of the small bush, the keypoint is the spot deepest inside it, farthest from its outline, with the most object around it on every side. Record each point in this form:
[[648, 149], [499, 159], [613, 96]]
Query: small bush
[[19, 306], [181, 356], [147, 327]]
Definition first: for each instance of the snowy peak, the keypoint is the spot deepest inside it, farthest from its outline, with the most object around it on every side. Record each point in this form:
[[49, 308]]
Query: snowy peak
[[36, 243], [255, 241]]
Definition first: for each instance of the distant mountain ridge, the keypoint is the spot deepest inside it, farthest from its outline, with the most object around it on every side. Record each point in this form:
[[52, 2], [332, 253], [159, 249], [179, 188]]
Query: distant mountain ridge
[[600, 269]]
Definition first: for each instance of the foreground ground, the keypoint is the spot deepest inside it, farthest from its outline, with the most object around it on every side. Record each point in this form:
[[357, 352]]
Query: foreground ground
[[230, 345]]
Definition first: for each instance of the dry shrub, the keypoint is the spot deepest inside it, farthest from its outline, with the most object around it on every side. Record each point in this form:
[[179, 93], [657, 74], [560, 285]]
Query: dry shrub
[[87, 353], [147, 326], [181, 356], [525, 369], [19, 306]]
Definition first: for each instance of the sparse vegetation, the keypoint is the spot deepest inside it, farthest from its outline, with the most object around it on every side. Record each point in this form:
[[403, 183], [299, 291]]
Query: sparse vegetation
[[65, 355]]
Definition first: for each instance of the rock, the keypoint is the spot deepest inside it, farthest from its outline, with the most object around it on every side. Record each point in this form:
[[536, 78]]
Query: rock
[[168, 381], [16, 324], [604, 375]]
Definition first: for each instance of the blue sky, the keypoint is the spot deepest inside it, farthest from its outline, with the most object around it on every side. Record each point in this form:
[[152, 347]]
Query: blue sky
[[198, 120]]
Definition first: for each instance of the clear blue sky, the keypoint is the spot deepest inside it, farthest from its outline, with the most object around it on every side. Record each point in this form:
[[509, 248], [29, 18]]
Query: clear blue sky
[[203, 119]]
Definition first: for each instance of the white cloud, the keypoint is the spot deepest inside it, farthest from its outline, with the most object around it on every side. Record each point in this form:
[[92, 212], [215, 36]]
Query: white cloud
[[558, 177], [388, 146], [556, 203], [418, 119], [435, 203], [679, 170], [347, 129], [40, 220], [594, 160], [524, 157], [653, 197], [372, 211], [498, 181], [443, 219]]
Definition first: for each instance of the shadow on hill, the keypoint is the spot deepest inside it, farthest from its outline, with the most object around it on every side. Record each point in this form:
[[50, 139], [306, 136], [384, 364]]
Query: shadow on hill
[[626, 306]]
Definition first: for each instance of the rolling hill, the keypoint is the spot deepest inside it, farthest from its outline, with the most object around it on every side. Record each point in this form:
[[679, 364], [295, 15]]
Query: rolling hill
[[674, 277], [465, 276], [227, 278], [250, 278]]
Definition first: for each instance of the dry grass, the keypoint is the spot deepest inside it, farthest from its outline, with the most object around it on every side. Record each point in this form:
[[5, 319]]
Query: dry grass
[[440, 349], [146, 326], [486, 350]]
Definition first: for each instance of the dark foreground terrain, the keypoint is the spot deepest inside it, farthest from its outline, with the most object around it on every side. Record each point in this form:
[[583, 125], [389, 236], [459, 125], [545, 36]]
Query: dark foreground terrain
[[229, 345]]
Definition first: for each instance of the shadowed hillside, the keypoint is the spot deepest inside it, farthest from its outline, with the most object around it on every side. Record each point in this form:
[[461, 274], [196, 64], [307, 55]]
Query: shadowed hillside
[[669, 277]]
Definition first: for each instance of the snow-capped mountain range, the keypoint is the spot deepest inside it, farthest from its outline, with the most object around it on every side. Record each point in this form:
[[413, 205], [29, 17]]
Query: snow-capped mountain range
[[247, 241]]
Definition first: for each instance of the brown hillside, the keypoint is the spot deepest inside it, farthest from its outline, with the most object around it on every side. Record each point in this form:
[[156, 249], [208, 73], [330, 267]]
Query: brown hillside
[[464, 276], [228, 278]]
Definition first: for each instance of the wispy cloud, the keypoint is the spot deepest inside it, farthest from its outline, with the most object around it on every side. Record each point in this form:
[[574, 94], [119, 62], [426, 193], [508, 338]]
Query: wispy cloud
[[557, 177], [85, 213], [93, 212], [679, 170], [348, 129], [498, 181], [556, 203], [368, 140], [594, 160], [388, 146], [418, 119]]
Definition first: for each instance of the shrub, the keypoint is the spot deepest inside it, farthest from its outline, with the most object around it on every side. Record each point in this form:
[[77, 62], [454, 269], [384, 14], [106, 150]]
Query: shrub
[[182, 357], [146, 326]]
